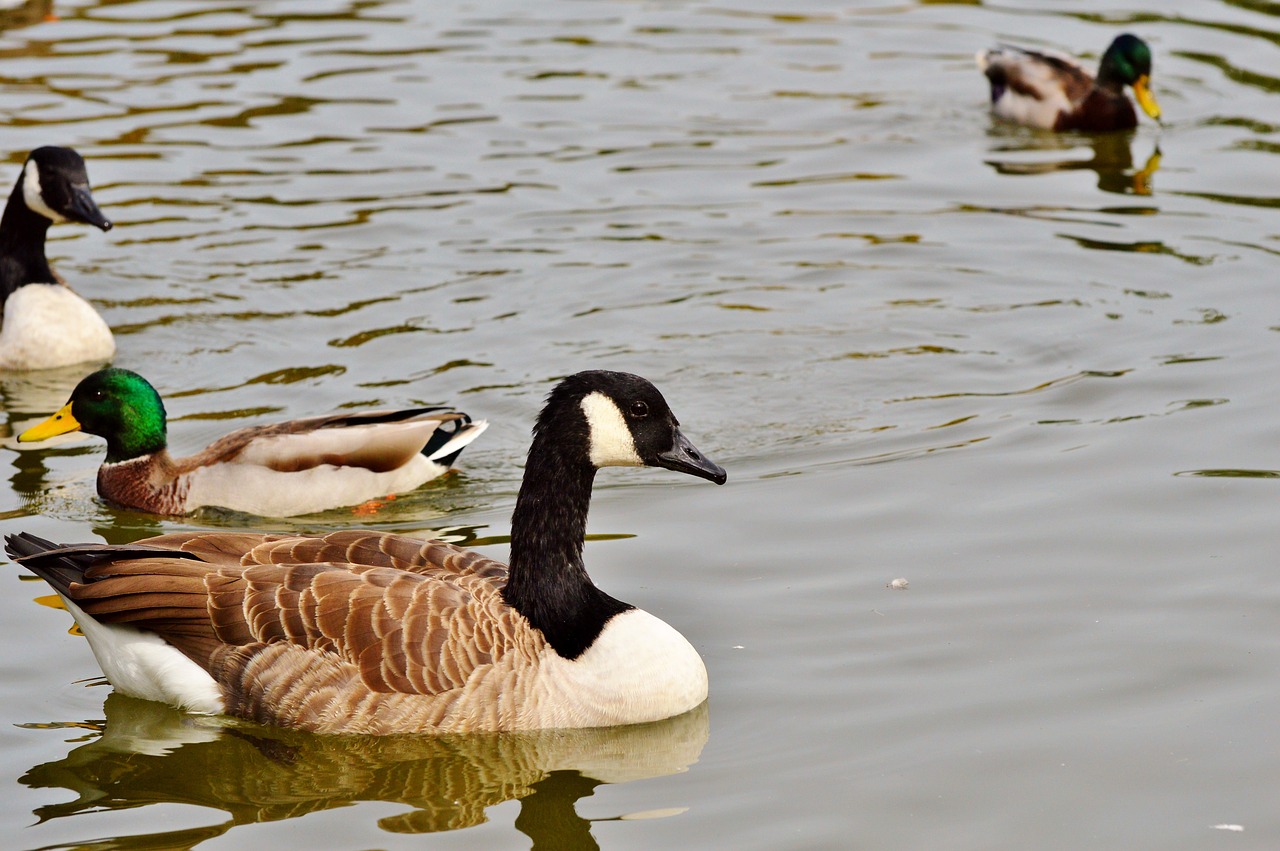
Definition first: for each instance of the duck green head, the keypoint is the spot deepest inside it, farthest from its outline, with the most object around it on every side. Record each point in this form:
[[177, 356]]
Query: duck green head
[[1128, 62], [115, 404]]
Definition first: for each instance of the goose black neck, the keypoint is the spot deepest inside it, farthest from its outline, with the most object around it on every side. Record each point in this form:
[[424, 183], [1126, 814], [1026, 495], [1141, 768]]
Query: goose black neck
[[548, 582], [22, 235]]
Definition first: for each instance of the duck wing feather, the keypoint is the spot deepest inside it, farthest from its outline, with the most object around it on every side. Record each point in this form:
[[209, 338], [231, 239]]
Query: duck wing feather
[[1043, 75], [376, 440]]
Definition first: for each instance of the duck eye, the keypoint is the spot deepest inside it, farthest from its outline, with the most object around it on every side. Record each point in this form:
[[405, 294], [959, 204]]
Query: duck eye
[[97, 394], [639, 410]]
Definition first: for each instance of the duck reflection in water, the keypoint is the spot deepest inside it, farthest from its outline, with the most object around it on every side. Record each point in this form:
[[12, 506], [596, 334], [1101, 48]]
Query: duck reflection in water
[[24, 13], [1112, 158], [146, 753], [27, 397]]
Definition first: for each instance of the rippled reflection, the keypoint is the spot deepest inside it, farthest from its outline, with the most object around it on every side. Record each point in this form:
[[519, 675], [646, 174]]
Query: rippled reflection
[[145, 753], [23, 14], [1112, 159]]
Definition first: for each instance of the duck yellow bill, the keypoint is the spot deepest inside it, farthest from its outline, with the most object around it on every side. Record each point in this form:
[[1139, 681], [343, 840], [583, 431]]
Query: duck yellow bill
[[60, 423], [1146, 100]]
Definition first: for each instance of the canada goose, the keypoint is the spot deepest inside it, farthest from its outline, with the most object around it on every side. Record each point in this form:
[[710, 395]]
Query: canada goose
[[373, 633], [1052, 92], [46, 325], [278, 470]]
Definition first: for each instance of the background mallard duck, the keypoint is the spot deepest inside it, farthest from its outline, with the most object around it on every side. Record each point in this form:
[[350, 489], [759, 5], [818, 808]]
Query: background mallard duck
[[1052, 91], [293, 467]]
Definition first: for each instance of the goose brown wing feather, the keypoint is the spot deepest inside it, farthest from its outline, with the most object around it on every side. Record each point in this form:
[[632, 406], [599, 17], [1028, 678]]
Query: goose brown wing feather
[[214, 547], [416, 640], [360, 547], [402, 632], [377, 549]]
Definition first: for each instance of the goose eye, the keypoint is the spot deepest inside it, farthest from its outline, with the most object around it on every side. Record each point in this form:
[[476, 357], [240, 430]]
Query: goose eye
[[639, 410]]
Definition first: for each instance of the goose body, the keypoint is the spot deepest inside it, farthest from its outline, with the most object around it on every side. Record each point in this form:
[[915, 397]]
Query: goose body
[[280, 470], [1051, 91], [46, 324], [374, 633]]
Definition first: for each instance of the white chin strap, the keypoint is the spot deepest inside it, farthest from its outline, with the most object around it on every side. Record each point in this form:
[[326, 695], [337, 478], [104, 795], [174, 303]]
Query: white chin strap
[[611, 442], [31, 193]]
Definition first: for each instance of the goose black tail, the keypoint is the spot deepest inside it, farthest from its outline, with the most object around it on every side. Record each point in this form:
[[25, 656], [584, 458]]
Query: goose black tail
[[62, 564], [34, 553]]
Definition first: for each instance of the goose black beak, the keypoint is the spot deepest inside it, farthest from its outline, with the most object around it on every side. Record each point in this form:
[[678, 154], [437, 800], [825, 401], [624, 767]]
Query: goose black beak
[[684, 457], [83, 209]]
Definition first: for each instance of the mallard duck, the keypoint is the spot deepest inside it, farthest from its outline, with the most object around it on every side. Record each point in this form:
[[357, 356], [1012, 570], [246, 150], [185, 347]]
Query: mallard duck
[[376, 633], [279, 470], [46, 325], [1053, 92]]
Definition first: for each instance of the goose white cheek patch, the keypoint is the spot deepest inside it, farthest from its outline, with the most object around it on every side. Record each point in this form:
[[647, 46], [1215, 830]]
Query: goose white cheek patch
[[611, 442], [31, 193]]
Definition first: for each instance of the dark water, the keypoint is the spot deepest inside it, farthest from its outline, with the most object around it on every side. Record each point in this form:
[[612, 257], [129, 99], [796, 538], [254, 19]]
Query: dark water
[[1031, 374]]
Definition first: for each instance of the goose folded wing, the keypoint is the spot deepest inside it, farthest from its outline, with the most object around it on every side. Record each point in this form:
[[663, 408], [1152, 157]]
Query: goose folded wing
[[395, 631], [357, 547]]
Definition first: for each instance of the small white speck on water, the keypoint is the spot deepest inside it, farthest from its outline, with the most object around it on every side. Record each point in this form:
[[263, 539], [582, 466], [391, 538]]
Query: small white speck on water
[[1238, 828], [737, 647], [898, 585]]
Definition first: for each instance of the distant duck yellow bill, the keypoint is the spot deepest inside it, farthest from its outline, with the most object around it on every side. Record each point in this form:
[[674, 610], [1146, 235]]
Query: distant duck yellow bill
[[60, 423], [1146, 100]]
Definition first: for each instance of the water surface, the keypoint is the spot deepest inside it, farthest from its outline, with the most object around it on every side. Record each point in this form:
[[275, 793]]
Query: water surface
[[1031, 374]]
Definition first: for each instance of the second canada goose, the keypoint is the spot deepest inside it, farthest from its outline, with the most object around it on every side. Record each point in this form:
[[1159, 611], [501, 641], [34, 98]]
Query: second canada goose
[[46, 325], [374, 633], [277, 470], [1052, 92]]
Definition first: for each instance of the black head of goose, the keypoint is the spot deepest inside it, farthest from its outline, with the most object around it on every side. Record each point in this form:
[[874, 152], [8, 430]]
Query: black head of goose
[[46, 325], [368, 632]]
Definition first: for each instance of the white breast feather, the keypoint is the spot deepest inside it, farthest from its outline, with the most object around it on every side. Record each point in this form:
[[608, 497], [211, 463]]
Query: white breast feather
[[639, 669], [48, 325], [259, 490], [141, 664], [611, 442]]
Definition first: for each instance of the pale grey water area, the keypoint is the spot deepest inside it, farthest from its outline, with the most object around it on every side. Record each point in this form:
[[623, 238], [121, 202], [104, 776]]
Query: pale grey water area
[[1033, 375]]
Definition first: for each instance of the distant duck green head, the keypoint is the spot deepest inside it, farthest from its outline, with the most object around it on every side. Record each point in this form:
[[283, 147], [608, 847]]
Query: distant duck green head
[[1128, 62], [115, 404]]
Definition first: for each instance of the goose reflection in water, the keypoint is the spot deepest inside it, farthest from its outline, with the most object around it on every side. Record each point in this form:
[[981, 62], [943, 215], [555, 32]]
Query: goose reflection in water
[[1112, 159], [146, 753]]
